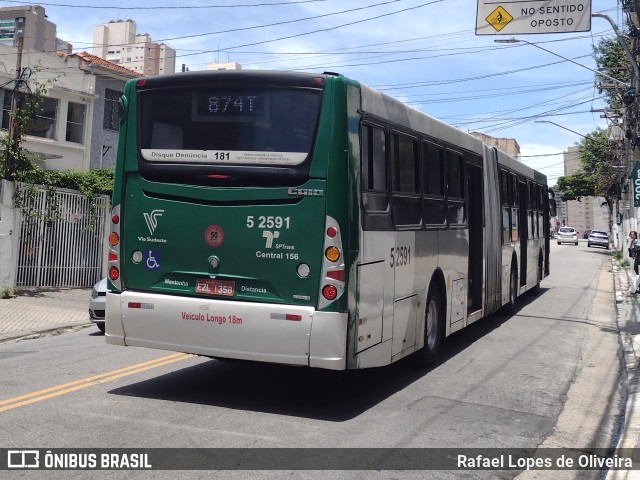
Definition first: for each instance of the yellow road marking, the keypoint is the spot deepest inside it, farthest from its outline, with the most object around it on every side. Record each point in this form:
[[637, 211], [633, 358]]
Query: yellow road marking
[[87, 382]]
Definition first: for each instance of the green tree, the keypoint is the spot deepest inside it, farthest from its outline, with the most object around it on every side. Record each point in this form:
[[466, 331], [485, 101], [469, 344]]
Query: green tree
[[599, 176], [613, 61]]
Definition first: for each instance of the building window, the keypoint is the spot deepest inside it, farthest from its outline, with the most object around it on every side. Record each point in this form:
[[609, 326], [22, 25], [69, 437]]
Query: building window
[[111, 120], [43, 123], [75, 122]]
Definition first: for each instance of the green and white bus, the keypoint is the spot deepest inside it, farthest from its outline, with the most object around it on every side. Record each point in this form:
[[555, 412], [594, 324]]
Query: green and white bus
[[309, 220]]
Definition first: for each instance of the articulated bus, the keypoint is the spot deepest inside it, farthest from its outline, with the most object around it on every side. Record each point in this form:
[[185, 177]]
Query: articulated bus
[[307, 219]]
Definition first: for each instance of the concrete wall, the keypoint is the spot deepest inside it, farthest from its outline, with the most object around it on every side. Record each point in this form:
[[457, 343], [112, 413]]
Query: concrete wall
[[8, 236]]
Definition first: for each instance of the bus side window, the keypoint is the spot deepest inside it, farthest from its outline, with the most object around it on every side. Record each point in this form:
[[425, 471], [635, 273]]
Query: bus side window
[[374, 169], [433, 212], [406, 180], [515, 209], [506, 210], [455, 188]]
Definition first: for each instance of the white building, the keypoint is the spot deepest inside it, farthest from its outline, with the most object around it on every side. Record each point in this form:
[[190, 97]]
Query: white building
[[118, 42]]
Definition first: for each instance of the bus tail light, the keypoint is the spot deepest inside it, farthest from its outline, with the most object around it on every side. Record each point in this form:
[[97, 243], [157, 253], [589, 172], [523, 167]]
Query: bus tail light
[[332, 254], [114, 273], [333, 275], [330, 292], [114, 239], [113, 256]]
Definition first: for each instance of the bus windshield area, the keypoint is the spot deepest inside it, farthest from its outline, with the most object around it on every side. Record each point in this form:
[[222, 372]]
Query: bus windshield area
[[228, 125]]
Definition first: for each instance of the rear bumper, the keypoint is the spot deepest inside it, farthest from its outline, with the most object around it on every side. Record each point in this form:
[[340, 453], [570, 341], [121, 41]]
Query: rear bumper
[[220, 328], [567, 240], [599, 242]]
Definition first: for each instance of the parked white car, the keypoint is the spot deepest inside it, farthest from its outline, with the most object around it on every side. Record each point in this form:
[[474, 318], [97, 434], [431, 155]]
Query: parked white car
[[567, 235], [97, 303]]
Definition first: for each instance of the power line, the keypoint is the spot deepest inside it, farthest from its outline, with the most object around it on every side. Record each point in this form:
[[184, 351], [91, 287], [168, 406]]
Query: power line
[[181, 7]]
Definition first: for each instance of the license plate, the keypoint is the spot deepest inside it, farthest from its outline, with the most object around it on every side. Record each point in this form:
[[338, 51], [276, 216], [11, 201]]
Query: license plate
[[215, 287]]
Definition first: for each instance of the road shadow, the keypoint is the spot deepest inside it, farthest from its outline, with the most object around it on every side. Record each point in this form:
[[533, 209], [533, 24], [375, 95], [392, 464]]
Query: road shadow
[[334, 396]]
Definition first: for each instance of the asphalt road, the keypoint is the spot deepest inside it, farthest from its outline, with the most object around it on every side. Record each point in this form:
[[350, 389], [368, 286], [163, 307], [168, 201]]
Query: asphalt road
[[547, 376]]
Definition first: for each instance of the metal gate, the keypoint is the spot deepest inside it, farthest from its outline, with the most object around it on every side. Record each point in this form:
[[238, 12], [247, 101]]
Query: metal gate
[[62, 234]]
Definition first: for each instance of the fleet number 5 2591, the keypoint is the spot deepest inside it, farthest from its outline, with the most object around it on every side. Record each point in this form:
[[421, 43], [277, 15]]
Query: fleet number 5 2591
[[268, 222]]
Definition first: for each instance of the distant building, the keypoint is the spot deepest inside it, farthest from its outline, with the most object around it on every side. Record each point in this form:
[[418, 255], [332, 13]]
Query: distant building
[[105, 121], [588, 213], [118, 42], [507, 145], [30, 22], [224, 66]]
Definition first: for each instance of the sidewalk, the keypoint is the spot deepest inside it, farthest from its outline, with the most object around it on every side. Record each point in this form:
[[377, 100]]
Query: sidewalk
[[33, 312], [628, 319]]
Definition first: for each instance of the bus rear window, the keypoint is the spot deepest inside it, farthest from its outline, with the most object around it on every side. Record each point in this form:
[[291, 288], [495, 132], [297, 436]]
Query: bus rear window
[[232, 126]]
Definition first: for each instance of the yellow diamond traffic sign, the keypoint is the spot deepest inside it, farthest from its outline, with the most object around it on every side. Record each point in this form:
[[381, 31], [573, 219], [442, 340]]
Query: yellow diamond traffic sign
[[499, 18]]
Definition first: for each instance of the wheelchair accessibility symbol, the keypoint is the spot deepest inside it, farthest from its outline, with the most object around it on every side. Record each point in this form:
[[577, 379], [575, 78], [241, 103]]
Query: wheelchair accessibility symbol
[[152, 259]]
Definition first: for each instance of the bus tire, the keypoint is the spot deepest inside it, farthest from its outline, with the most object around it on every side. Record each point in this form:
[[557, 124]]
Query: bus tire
[[510, 307], [433, 329]]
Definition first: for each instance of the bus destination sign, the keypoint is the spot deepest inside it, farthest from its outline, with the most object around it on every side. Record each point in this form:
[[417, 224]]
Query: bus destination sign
[[499, 17]]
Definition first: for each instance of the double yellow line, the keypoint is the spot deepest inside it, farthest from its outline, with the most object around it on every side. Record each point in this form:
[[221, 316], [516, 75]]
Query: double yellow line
[[51, 392]]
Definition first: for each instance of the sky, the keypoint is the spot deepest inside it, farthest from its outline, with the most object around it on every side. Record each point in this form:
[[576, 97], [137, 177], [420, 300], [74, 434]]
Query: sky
[[425, 53]]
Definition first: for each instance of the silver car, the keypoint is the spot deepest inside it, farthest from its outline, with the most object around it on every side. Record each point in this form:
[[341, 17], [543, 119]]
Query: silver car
[[567, 235], [599, 238], [97, 303]]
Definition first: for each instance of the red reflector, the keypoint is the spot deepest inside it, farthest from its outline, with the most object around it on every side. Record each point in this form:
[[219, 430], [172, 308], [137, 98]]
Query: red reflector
[[114, 273], [331, 232], [112, 257], [115, 219], [134, 305], [141, 83], [295, 318], [336, 275], [329, 292], [217, 176], [318, 80]]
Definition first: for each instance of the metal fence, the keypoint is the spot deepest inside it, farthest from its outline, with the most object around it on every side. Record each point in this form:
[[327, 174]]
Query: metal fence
[[62, 234]]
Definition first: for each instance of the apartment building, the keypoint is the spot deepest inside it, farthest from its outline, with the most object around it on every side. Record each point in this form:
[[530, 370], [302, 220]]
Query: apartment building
[[508, 145], [118, 42], [29, 22], [588, 213]]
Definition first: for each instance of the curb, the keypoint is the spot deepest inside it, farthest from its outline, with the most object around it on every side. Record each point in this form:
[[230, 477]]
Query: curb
[[29, 334]]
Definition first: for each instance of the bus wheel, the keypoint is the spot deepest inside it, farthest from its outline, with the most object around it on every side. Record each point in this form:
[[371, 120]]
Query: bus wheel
[[433, 329], [513, 292]]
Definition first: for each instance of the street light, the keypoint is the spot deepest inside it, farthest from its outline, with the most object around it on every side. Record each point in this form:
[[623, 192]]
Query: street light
[[549, 121], [517, 40]]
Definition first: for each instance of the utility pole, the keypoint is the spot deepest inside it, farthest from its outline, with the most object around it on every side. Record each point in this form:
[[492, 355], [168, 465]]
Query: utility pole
[[14, 133]]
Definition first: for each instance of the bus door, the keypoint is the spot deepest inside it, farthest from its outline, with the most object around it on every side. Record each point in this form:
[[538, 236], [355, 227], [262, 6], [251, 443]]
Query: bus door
[[476, 238], [524, 230]]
